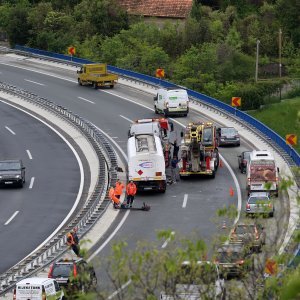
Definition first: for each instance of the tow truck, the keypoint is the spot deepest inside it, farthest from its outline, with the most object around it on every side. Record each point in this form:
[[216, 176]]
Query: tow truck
[[199, 150]]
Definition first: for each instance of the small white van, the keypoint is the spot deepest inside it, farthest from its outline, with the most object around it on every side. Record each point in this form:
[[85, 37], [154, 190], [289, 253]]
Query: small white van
[[171, 101], [38, 288]]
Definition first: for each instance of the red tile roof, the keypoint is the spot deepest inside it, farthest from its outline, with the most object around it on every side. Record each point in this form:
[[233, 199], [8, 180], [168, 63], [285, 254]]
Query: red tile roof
[[158, 8]]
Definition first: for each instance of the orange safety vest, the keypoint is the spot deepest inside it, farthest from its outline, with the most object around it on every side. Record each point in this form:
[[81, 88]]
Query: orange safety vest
[[112, 196], [119, 188], [70, 239], [131, 189]]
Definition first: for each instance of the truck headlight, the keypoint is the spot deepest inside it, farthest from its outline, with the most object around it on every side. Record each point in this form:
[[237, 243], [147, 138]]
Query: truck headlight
[[18, 176]]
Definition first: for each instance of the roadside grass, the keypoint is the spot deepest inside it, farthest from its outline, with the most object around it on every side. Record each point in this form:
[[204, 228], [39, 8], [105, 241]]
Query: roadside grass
[[283, 118]]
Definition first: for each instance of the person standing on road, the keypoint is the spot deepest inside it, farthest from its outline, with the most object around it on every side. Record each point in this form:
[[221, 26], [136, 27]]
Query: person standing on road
[[175, 149], [119, 188], [174, 169], [71, 243], [113, 198], [131, 191]]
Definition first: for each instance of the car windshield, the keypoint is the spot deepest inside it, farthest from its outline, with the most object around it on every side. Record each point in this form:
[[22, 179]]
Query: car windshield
[[62, 270], [254, 200], [10, 166], [243, 229], [229, 256], [247, 155], [228, 131]]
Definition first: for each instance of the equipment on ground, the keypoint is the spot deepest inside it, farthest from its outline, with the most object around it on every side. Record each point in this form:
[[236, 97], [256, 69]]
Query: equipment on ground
[[145, 207]]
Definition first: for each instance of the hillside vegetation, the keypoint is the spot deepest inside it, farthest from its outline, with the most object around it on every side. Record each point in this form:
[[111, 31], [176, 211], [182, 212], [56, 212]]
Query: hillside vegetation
[[284, 118]]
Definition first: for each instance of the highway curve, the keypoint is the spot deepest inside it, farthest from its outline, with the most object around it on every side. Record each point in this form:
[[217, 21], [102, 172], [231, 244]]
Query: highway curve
[[112, 111], [52, 181]]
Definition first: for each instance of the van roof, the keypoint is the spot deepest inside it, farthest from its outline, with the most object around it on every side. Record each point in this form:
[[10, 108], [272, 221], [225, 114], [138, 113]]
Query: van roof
[[262, 154], [174, 89], [34, 280]]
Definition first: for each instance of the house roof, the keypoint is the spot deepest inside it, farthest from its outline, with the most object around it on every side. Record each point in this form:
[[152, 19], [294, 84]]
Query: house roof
[[158, 8]]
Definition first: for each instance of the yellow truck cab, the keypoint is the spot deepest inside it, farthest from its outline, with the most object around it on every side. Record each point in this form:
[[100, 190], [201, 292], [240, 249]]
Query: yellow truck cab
[[96, 75]]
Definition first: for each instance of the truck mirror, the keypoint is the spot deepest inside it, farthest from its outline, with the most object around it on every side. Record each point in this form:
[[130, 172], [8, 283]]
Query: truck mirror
[[78, 71], [181, 134], [155, 98], [277, 169]]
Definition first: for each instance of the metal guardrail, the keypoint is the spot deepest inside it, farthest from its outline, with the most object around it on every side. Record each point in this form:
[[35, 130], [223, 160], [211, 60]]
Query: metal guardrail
[[265, 130], [92, 209]]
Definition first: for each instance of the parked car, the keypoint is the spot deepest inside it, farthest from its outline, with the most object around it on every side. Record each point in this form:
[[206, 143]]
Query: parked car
[[260, 203], [74, 275], [251, 235], [12, 172], [234, 259], [201, 280], [38, 288], [228, 136], [243, 160]]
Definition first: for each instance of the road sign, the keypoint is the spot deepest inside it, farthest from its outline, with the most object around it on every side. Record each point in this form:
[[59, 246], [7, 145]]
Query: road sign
[[271, 267], [291, 139], [236, 101], [71, 50], [160, 73]]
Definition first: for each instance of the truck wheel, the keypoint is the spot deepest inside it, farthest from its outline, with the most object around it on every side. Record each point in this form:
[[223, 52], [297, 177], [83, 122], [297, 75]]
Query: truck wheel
[[95, 85], [79, 82], [165, 113], [111, 86], [155, 110]]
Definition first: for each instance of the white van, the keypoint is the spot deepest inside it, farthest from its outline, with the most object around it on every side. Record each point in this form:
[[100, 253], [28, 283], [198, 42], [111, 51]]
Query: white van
[[171, 101], [38, 288]]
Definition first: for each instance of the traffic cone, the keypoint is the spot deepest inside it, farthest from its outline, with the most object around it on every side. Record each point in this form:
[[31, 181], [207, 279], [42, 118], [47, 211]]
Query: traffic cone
[[220, 163], [231, 192], [224, 225]]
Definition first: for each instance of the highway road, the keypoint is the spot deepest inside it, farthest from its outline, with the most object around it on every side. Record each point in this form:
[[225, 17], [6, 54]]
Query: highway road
[[29, 215], [112, 111]]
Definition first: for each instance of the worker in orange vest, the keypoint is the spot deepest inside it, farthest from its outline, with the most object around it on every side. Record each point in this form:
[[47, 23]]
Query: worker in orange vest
[[119, 188], [113, 198], [131, 191], [72, 243]]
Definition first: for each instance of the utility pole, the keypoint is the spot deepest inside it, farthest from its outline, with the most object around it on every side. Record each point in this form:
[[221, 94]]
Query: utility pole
[[256, 65], [279, 47], [280, 65]]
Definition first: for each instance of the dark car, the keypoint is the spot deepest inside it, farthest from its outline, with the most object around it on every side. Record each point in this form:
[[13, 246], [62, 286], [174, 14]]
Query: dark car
[[234, 259], [74, 275], [252, 235], [228, 136], [12, 172], [243, 160]]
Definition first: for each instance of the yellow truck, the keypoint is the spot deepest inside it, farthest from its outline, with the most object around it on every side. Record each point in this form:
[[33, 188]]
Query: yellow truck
[[96, 75]]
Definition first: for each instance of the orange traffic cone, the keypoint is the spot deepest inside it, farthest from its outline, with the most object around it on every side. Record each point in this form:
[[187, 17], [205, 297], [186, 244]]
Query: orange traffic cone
[[220, 163], [224, 225], [231, 192]]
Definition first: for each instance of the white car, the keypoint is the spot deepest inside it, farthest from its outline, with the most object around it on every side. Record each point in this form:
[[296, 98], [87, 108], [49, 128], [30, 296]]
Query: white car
[[38, 288]]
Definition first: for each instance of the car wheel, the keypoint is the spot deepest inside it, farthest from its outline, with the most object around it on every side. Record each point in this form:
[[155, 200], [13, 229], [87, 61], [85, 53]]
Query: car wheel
[[21, 184]]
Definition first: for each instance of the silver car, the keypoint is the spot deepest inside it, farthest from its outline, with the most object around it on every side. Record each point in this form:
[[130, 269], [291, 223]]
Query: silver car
[[260, 203]]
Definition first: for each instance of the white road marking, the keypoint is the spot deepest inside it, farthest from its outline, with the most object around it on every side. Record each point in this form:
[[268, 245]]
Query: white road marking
[[86, 100], [80, 189], [10, 130], [10, 219], [126, 119], [185, 200], [110, 237], [125, 285], [114, 137], [29, 154], [31, 182], [164, 245], [34, 82]]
